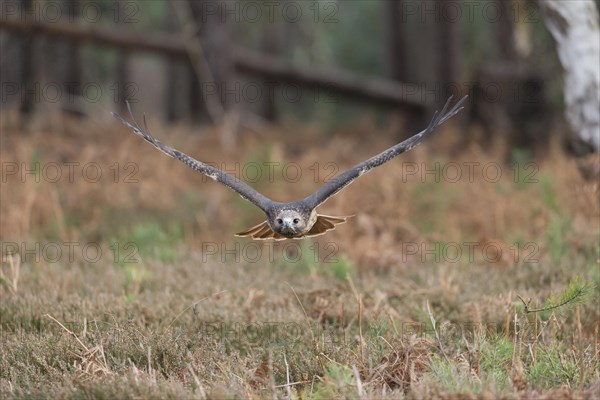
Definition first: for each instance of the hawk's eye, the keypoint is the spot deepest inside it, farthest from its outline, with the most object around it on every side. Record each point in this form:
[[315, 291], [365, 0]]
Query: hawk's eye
[[296, 220], [280, 221]]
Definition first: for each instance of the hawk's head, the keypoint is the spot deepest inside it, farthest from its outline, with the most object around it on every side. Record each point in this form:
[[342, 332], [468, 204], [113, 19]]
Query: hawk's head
[[291, 223]]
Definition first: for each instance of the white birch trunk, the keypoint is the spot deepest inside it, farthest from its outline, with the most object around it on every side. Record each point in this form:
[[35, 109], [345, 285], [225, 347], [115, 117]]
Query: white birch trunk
[[574, 26]]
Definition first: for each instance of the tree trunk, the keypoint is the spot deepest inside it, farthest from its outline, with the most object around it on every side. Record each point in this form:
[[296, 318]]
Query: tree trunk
[[396, 40], [450, 54], [271, 44], [217, 51], [123, 88], [72, 63], [574, 26], [174, 73], [28, 74]]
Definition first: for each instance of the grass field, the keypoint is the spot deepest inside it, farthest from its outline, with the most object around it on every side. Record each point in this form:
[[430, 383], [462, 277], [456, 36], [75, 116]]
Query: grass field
[[130, 283]]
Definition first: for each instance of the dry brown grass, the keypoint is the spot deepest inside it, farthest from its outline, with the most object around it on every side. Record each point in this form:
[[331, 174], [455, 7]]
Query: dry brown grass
[[176, 321]]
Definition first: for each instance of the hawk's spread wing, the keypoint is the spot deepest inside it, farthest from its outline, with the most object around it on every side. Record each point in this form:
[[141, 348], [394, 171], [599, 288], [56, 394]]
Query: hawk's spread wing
[[347, 177], [216, 174]]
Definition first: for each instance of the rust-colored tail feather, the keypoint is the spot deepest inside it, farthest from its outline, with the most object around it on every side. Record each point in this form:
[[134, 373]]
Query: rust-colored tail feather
[[325, 223], [261, 231]]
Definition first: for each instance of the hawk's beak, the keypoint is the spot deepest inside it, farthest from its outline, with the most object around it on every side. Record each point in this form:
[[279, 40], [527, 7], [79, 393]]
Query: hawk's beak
[[287, 226]]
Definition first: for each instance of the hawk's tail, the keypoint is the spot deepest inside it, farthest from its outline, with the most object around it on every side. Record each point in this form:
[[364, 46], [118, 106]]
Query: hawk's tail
[[325, 223], [261, 231]]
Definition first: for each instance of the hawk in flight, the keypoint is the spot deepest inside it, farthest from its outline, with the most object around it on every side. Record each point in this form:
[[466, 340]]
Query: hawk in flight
[[296, 219]]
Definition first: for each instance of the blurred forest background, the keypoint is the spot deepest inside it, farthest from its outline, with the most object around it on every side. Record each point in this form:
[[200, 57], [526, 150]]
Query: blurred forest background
[[326, 61]]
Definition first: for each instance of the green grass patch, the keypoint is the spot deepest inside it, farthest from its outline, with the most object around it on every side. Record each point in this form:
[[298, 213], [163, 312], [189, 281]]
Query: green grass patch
[[152, 240]]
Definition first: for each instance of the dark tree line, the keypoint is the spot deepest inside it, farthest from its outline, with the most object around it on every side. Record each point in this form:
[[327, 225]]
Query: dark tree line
[[427, 54]]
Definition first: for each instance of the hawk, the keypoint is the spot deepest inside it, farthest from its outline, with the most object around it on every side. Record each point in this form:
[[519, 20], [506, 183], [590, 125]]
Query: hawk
[[297, 219]]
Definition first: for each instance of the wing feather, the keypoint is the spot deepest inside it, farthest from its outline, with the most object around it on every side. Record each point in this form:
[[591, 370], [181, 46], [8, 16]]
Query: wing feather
[[216, 174], [342, 180]]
